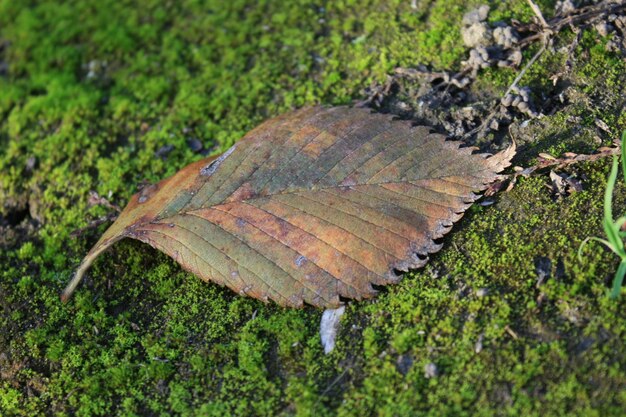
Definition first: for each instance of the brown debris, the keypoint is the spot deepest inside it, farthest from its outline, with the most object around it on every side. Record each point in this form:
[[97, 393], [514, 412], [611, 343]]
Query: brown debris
[[96, 200], [561, 184], [443, 97]]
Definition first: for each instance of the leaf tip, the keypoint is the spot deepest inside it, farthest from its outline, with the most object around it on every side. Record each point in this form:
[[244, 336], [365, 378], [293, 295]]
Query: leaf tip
[[503, 158], [65, 296]]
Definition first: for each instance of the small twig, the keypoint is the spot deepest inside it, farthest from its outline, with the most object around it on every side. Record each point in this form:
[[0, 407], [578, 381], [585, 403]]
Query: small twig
[[378, 93], [416, 73], [335, 381], [546, 161], [526, 68], [584, 14], [94, 223], [569, 159], [96, 200], [538, 13], [511, 332]]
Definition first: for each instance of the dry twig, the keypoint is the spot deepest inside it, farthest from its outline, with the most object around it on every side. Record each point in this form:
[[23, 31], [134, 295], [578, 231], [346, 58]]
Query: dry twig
[[548, 161]]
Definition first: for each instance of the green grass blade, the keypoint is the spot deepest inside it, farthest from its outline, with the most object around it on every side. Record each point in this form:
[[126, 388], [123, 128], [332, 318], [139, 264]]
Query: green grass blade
[[623, 154], [608, 194], [618, 227], [620, 222], [612, 233], [613, 236], [617, 281], [596, 239]]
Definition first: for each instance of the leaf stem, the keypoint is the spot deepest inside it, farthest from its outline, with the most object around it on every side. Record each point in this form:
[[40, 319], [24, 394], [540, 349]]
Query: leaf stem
[[100, 247]]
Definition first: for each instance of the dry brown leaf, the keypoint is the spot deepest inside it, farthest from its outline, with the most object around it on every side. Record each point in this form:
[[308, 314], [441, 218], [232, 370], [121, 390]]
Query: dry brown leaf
[[310, 206]]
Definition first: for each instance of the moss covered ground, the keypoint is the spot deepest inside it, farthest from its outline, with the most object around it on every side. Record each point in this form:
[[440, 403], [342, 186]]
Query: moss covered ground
[[92, 91]]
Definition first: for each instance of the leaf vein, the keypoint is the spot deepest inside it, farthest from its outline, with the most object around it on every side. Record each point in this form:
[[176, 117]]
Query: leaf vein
[[315, 291]]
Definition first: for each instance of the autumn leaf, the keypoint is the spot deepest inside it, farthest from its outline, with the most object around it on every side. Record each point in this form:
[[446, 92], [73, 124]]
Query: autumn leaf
[[310, 206]]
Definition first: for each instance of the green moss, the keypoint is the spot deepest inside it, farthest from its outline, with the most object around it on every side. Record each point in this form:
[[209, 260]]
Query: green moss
[[537, 354], [94, 89]]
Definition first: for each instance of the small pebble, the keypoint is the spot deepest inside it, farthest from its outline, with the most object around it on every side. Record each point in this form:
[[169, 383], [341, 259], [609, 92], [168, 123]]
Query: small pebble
[[482, 292], [478, 34], [404, 364], [164, 150], [431, 370], [603, 28], [505, 36], [513, 60], [476, 16], [31, 163], [329, 326], [563, 7], [523, 106], [194, 144], [478, 347], [479, 58]]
